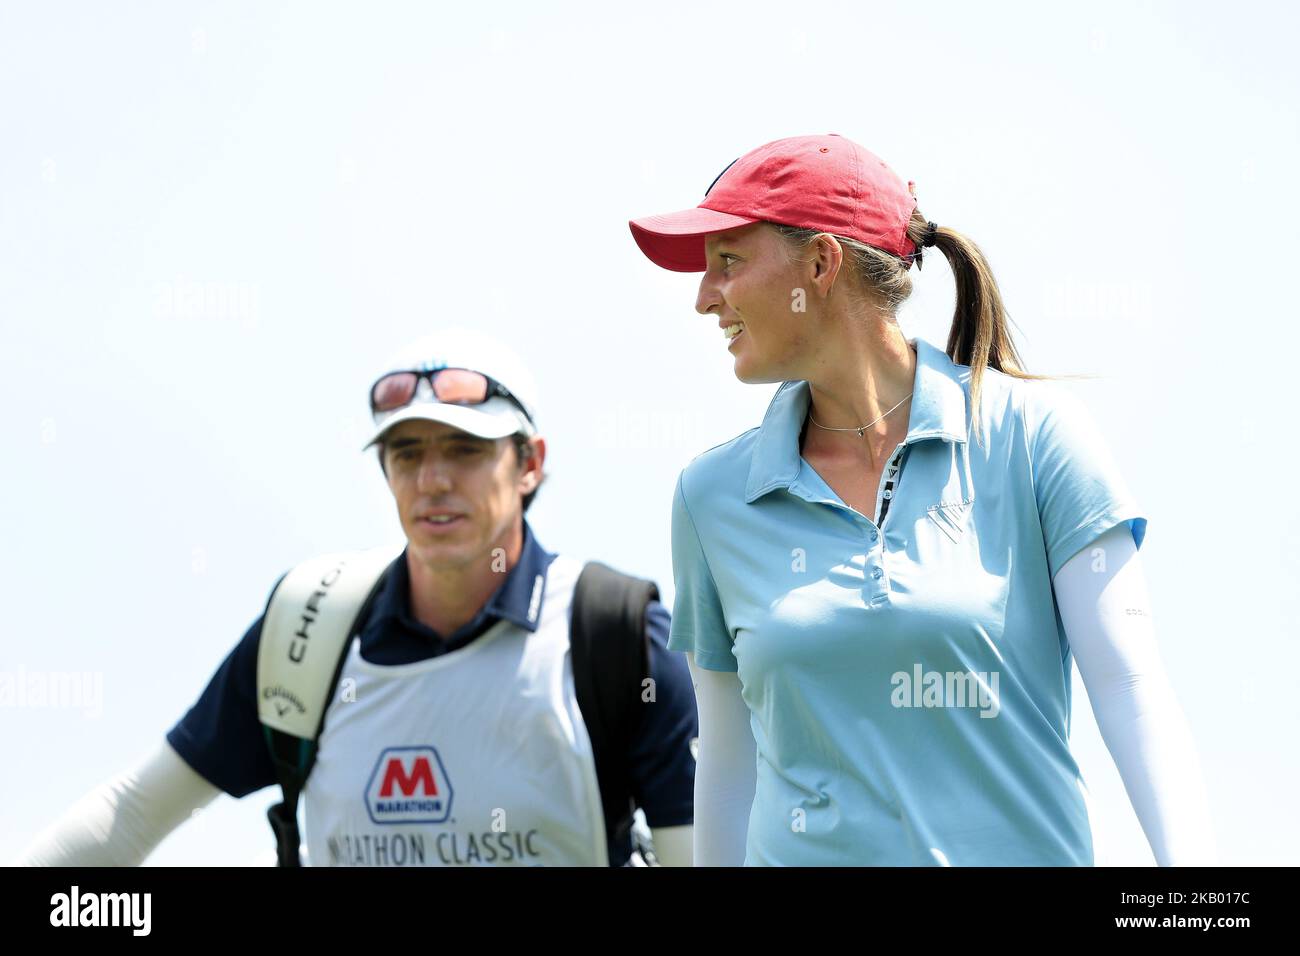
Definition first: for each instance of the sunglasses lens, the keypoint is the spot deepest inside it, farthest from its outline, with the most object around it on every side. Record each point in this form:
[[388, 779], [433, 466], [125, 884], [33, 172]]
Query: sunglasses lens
[[393, 391], [460, 386]]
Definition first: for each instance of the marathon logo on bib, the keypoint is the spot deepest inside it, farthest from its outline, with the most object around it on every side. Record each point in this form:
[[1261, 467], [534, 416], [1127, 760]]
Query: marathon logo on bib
[[409, 785]]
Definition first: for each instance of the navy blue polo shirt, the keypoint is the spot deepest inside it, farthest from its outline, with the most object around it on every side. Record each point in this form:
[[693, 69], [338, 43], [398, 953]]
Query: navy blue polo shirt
[[221, 737]]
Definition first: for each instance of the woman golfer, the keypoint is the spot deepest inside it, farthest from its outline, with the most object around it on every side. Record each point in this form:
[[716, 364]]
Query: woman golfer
[[881, 588]]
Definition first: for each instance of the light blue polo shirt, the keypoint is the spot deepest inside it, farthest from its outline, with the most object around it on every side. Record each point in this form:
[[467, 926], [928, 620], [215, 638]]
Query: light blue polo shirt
[[908, 685]]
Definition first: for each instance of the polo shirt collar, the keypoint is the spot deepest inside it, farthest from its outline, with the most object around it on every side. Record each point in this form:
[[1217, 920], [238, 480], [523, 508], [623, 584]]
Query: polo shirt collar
[[938, 410], [518, 599]]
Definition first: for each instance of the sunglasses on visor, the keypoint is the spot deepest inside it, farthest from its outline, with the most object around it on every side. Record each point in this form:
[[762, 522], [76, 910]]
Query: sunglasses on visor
[[455, 386]]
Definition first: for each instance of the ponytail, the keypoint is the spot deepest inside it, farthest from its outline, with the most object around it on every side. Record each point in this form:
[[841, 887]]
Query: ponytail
[[979, 336]]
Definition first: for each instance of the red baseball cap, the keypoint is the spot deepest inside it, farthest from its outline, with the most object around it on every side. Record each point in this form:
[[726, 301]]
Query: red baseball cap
[[827, 183]]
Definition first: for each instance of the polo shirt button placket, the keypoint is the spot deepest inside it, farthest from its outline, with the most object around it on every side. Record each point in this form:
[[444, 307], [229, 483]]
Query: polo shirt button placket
[[877, 591], [873, 591]]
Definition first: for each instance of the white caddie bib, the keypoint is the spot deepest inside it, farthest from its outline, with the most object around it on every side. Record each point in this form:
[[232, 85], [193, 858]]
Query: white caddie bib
[[476, 757]]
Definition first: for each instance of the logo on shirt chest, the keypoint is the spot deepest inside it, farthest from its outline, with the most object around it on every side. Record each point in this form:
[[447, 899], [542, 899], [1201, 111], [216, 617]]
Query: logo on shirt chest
[[409, 785], [950, 516]]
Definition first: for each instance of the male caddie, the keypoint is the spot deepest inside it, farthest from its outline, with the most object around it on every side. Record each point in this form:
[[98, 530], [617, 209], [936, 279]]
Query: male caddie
[[477, 707]]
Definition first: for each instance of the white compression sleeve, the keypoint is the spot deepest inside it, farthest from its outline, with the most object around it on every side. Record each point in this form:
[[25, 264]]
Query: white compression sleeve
[[1104, 605], [120, 822], [725, 768]]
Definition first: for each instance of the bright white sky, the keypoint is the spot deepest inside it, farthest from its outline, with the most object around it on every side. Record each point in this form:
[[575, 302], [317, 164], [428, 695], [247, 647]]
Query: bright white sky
[[215, 220]]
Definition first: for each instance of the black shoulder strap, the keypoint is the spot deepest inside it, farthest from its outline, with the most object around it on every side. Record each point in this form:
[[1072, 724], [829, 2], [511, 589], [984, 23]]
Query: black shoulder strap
[[293, 757], [611, 659]]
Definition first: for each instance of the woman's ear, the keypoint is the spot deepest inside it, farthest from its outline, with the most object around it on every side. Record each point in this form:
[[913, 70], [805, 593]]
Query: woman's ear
[[826, 261]]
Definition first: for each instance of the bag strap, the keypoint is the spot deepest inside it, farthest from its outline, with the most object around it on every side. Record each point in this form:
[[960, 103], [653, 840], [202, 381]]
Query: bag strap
[[611, 659], [309, 619]]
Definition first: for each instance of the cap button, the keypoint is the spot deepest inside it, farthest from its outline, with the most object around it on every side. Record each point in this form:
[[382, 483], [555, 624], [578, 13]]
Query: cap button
[[824, 149]]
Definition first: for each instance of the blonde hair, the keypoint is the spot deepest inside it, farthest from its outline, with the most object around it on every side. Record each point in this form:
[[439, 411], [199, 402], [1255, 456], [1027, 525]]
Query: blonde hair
[[979, 336]]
